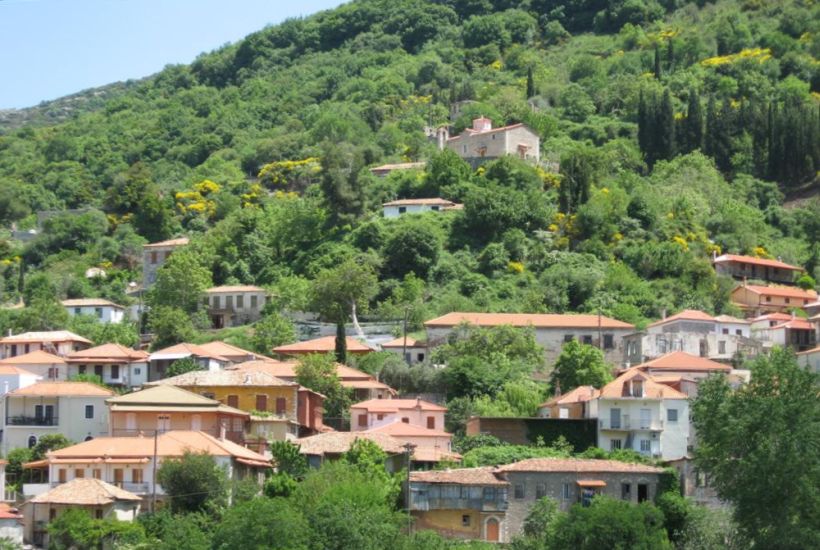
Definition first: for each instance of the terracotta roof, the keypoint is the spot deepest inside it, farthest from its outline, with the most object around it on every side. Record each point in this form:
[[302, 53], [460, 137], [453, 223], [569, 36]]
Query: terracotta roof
[[796, 324], [168, 396], [179, 351], [730, 319], [578, 465], [85, 492], [227, 377], [755, 261], [781, 291], [471, 132], [680, 360], [398, 166], [340, 442], [394, 405], [7, 512], [671, 378], [685, 315], [225, 349], [401, 430], [651, 389], [537, 320], [773, 317], [460, 476], [286, 370], [170, 242], [809, 351], [50, 336], [108, 352], [581, 394], [322, 345], [62, 389], [11, 370], [90, 302], [420, 202], [434, 454], [400, 343], [234, 288], [169, 444], [38, 357]]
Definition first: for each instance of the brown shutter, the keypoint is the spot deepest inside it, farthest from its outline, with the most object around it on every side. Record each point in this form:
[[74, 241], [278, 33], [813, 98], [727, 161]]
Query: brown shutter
[[262, 403], [281, 405], [233, 401], [431, 422]]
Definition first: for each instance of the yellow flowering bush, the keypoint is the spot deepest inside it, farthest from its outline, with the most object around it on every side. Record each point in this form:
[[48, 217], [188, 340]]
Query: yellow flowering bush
[[515, 267], [290, 172], [757, 54]]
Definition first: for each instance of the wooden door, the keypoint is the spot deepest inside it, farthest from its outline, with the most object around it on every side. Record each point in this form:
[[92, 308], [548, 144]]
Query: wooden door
[[492, 530]]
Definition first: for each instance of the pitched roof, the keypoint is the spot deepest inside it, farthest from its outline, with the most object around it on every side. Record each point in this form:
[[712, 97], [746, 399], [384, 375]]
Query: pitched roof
[[680, 360], [460, 476], [169, 444], [398, 166], [168, 398], [234, 288], [340, 442], [401, 430], [581, 394], [181, 241], [185, 349], [322, 345], [809, 351], [224, 349], [537, 320], [280, 369], [730, 319], [773, 317], [62, 389], [578, 465], [90, 302], [85, 492], [110, 352], [756, 261], [228, 377], [420, 202], [286, 370], [781, 291], [38, 357], [48, 336], [795, 324], [400, 343], [685, 315], [471, 132], [617, 389], [394, 405], [15, 371]]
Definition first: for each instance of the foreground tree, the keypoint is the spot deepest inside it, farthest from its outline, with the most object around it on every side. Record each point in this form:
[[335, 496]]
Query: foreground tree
[[263, 523], [318, 372], [580, 365], [193, 483], [759, 444]]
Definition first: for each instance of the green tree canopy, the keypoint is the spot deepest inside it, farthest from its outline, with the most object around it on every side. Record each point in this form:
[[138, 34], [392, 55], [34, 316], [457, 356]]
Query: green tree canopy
[[193, 482], [580, 365]]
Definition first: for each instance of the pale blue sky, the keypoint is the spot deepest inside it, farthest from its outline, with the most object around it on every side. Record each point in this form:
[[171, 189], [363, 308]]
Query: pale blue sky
[[51, 48]]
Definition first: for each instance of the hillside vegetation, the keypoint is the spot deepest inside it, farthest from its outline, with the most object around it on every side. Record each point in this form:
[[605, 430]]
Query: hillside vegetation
[[678, 126]]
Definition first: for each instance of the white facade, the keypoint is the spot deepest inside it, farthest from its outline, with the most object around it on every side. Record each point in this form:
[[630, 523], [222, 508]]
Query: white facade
[[397, 208], [131, 375], [103, 313], [58, 343], [653, 427]]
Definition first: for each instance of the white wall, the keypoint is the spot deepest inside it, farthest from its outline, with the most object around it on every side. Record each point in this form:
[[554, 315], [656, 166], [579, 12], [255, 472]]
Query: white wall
[[393, 211], [670, 439], [130, 374], [810, 361], [103, 314]]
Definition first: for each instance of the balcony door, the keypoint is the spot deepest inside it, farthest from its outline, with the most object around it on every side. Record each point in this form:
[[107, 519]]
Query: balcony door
[[196, 422], [646, 419], [163, 423], [615, 418]]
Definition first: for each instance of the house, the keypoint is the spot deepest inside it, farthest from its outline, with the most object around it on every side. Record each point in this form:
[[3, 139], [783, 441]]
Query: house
[[785, 330], [575, 404], [694, 484], [683, 371], [232, 353], [332, 445], [362, 384], [115, 364], [325, 344], [750, 267], [570, 481], [281, 409], [57, 342], [413, 351], [41, 363], [637, 412], [812, 309], [130, 463], [164, 408], [482, 143], [429, 445], [581, 433], [551, 330], [810, 359], [694, 332], [12, 377], [757, 300], [396, 208], [233, 306], [11, 525], [102, 310], [381, 412], [464, 503], [75, 409], [385, 170], [164, 358], [154, 256], [100, 499]]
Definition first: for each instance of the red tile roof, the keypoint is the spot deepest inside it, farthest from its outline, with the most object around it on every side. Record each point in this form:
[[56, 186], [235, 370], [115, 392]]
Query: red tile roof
[[581, 394], [537, 320], [400, 343], [53, 336], [460, 476], [685, 315], [773, 317], [578, 465], [38, 357], [680, 360], [186, 350], [795, 324], [755, 261], [112, 353], [325, 344], [62, 389], [651, 389], [781, 291], [394, 405]]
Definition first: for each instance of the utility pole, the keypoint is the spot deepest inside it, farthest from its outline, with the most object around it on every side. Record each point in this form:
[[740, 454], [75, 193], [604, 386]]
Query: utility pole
[[154, 475], [404, 331], [408, 452], [600, 336]]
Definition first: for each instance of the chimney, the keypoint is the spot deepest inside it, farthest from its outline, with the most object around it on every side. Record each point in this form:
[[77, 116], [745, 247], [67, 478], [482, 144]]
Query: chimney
[[714, 255]]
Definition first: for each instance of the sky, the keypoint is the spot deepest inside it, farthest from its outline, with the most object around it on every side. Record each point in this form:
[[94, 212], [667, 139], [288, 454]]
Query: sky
[[52, 48]]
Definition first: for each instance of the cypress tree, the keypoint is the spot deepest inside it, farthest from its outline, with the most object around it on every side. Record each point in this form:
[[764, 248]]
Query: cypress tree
[[670, 57], [711, 127], [643, 124], [666, 127], [657, 62], [530, 84], [692, 137]]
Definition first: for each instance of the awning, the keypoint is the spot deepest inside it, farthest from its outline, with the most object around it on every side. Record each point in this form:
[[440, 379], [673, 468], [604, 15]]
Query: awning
[[36, 464], [255, 463], [591, 483]]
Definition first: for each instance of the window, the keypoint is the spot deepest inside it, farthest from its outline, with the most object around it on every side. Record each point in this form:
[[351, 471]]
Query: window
[[77, 311], [420, 357], [568, 338], [98, 514], [136, 475], [465, 520], [262, 403], [115, 371], [540, 490], [519, 491], [61, 475], [82, 369], [233, 401], [89, 411], [402, 209], [431, 422], [153, 256], [739, 332], [137, 371], [434, 208], [96, 473], [238, 425], [32, 441], [643, 492], [768, 298], [281, 405], [98, 312], [98, 370], [405, 420], [380, 416], [254, 302], [672, 415], [215, 302], [726, 331], [609, 341], [646, 446], [489, 493], [362, 420], [722, 347], [119, 476], [614, 444], [53, 373], [240, 302], [626, 491], [587, 339], [566, 491], [788, 301], [228, 302]]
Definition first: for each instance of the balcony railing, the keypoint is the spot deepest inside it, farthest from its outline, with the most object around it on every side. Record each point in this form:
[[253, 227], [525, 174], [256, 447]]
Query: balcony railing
[[628, 424], [33, 421], [136, 488]]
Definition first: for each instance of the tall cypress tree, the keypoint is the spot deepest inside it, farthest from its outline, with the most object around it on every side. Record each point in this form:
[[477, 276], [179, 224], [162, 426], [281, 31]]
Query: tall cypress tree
[[530, 84], [692, 137], [711, 127], [657, 62], [665, 127]]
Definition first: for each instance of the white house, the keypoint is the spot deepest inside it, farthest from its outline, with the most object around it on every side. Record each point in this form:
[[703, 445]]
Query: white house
[[75, 409], [396, 208], [783, 329], [411, 350], [57, 342], [115, 364], [232, 306], [12, 377], [637, 412], [375, 413], [11, 525], [46, 366], [810, 359], [104, 311], [162, 359]]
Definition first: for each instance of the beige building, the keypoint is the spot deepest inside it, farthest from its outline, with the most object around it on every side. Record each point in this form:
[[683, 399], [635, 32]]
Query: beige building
[[154, 256], [56, 342], [232, 306], [482, 142], [749, 267], [375, 413], [757, 300]]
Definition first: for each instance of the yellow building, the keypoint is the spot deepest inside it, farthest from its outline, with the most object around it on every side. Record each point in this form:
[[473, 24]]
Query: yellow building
[[759, 300]]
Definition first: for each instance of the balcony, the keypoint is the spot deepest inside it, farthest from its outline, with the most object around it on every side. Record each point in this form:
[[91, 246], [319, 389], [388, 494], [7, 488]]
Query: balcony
[[627, 424], [421, 502], [32, 421], [136, 488]]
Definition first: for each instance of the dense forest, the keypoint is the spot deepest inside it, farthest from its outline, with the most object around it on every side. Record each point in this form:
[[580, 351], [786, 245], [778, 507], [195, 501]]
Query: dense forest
[[670, 130]]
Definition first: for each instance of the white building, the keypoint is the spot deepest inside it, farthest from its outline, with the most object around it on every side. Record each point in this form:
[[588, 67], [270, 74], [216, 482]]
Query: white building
[[164, 358], [394, 209], [154, 256], [413, 351], [637, 412], [810, 359], [57, 342], [75, 409], [46, 366], [376, 413], [683, 371], [115, 364], [104, 311], [232, 306]]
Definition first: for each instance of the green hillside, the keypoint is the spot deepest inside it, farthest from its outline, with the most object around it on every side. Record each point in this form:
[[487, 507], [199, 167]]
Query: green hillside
[[678, 127]]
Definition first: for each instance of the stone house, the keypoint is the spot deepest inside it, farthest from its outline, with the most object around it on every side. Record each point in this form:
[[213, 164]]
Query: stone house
[[749, 267], [481, 142], [232, 306], [154, 256]]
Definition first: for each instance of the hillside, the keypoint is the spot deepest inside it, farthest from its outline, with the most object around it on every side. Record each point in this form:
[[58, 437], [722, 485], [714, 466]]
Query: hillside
[[678, 127]]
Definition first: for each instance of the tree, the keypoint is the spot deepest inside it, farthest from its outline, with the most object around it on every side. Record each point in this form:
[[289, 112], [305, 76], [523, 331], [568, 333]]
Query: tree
[[579, 169], [763, 435], [692, 137], [530, 84], [271, 331], [75, 528], [193, 482], [413, 247], [49, 442], [665, 127], [181, 282], [170, 326], [263, 523], [318, 372], [580, 365], [338, 293], [181, 366]]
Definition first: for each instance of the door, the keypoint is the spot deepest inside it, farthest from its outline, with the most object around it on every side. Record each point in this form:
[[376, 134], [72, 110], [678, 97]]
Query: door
[[130, 423], [615, 418], [643, 492], [492, 530], [119, 476], [281, 406], [646, 418], [196, 422]]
